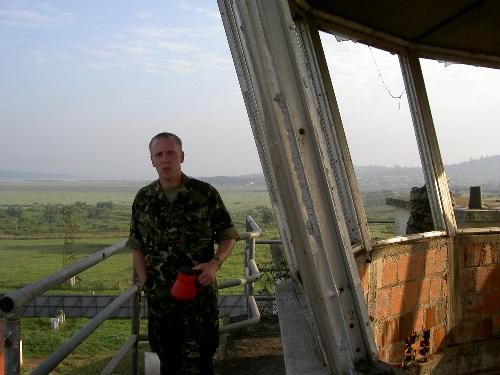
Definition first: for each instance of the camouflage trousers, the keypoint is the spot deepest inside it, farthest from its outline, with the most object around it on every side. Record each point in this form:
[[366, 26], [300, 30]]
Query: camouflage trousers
[[185, 342]]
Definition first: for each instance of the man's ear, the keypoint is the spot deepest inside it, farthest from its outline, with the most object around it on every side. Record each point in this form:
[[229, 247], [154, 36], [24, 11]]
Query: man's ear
[[152, 162], [182, 156]]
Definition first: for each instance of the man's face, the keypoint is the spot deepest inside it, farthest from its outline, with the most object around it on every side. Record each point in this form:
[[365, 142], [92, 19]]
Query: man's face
[[166, 158]]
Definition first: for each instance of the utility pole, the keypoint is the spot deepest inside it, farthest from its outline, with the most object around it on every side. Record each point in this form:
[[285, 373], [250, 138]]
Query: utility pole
[[69, 255]]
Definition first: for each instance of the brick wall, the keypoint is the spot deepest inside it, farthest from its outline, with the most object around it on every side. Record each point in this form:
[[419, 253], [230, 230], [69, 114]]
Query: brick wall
[[407, 287], [477, 302], [406, 290]]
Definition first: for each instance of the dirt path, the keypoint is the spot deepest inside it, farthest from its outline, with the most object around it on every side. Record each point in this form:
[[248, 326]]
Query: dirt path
[[254, 350]]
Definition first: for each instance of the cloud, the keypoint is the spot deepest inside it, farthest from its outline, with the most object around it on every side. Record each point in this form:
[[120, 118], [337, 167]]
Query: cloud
[[200, 10], [161, 33], [207, 12], [23, 18], [178, 47], [41, 15], [144, 15]]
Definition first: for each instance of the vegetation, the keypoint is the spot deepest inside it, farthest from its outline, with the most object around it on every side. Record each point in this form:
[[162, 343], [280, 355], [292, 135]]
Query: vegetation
[[32, 230], [40, 341]]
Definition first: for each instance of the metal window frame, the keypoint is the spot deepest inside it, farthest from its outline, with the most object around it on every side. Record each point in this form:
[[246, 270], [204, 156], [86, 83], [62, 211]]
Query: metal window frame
[[307, 166], [296, 123]]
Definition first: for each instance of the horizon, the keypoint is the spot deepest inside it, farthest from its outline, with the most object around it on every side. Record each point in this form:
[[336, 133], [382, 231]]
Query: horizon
[[50, 176]]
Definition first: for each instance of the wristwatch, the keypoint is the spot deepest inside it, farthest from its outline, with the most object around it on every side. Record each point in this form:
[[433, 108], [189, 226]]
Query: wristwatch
[[219, 260]]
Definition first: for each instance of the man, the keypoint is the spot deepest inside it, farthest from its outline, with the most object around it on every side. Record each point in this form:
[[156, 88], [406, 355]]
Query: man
[[175, 222]]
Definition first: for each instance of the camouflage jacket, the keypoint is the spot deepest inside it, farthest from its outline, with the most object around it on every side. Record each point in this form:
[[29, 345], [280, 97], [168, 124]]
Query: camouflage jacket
[[178, 234]]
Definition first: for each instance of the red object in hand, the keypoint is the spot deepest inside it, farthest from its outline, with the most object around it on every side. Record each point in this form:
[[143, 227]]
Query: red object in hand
[[185, 286]]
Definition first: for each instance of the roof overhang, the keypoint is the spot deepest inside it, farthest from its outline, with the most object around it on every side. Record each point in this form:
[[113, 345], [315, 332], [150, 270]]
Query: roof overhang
[[463, 31]]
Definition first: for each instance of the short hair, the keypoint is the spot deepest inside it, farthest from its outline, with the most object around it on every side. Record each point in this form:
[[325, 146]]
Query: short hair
[[176, 139]]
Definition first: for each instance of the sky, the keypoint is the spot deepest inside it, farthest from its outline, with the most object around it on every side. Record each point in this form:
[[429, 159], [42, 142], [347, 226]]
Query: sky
[[86, 84]]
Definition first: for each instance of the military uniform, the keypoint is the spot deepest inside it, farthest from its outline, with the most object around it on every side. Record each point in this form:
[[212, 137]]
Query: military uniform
[[420, 220], [172, 235]]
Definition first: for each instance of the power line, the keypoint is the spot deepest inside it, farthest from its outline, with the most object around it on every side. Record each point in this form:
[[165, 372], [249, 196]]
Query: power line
[[383, 81]]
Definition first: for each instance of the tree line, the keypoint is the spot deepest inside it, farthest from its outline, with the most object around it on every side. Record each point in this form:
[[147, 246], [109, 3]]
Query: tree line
[[20, 219]]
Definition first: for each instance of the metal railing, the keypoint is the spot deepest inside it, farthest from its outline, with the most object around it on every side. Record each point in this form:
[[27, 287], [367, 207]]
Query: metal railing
[[12, 304]]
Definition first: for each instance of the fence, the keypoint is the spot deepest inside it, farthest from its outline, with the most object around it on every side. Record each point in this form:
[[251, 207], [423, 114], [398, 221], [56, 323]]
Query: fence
[[88, 305], [12, 305]]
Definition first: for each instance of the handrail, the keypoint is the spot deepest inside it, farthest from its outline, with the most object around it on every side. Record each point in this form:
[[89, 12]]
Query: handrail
[[255, 275], [254, 318], [14, 301], [254, 231], [66, 348], [12, 304], [120, 354]]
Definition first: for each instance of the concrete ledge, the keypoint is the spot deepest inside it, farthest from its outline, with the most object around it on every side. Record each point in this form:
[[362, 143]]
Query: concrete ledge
[[300, 348], [151, 364]]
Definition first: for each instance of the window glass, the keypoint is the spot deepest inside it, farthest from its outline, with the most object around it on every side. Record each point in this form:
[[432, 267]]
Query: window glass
[[465, 107], [374, 109]]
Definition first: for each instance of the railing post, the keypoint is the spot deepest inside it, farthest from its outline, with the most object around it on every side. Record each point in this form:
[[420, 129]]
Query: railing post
[[249, 254], [12, 346], [136, 320]]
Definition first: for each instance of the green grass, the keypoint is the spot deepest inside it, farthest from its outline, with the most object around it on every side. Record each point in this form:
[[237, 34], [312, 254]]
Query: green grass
[[28, 260], [39, 341], [31, 248]]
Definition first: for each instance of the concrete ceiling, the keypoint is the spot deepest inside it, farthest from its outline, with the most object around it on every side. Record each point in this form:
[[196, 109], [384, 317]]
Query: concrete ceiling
[[458, 30]]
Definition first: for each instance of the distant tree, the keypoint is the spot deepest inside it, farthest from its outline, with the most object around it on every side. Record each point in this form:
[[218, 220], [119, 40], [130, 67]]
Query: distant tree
[[50, 213], [105, 205], [267, 215], [14, 212]]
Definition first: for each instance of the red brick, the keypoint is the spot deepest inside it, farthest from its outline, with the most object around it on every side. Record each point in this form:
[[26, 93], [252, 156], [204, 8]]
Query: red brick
[[485, 255], [441, 313], [430, 260], [444, 288], [397, 300], [394, 353], [406, 323], [403, 267], [472, 305], [487, 278], [479, 254], [466, 279], [495, 254], [435, 289], [441, 259], [434, 315], [496, 325], [411, 266], [491, 303], [418, 323], [383, 303], [474, 329], [438, 338], [416, 266], [436, 260], [423, 298], [389, 332], [486, 327], [462, 251], [383, 354], [468, 330], [472, 254], [364, 278], [390, 272], [411, 294]]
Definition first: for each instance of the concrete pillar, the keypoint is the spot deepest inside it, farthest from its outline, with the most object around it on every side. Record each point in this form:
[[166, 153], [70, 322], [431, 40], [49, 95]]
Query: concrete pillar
[[475, 198]]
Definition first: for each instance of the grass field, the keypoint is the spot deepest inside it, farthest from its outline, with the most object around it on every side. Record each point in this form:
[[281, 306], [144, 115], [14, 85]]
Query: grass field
[[32, 245], [40, 341]]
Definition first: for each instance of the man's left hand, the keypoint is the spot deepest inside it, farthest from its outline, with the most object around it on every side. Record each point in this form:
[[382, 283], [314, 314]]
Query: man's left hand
[[208, 272]]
